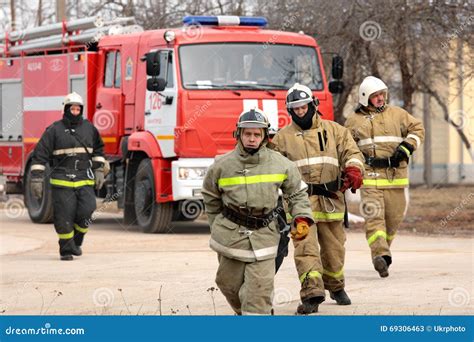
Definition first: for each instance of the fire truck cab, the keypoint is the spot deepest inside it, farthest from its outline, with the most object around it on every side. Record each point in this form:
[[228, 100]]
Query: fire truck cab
[[164, 101]]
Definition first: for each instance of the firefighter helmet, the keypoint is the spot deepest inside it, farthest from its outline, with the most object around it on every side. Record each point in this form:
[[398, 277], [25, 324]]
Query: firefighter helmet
[[370, 85], [253, 118], [299, 95], [73, 98]]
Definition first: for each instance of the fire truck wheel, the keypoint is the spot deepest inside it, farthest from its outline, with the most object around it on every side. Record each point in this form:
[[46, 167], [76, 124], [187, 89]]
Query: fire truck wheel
[[40, 210], [152, 217]]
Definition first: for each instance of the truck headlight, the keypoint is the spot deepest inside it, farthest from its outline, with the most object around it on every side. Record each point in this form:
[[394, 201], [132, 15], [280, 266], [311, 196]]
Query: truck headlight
[[191, 173]]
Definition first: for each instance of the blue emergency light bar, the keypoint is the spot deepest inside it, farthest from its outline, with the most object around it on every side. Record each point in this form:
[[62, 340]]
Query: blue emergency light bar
[[224, 20]]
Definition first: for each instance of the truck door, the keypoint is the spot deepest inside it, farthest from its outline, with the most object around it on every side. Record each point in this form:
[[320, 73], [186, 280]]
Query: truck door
[[108, 117], [161, 108]]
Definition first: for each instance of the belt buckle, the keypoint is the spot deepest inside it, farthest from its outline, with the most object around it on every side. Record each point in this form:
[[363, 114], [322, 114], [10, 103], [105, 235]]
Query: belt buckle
[[71, 176], [245, 231], [255, 222]]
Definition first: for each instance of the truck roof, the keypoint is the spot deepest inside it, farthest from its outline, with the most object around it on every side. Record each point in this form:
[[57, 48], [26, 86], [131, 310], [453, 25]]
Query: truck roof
[[214, 34]]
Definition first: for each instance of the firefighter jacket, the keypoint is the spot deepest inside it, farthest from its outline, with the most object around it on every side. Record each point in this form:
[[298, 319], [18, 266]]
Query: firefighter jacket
[[71, 165], [378, 136], [320, 153], [249, 184]]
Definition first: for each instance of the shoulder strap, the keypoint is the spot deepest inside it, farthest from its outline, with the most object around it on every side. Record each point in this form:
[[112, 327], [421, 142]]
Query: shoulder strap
[[73, 133]]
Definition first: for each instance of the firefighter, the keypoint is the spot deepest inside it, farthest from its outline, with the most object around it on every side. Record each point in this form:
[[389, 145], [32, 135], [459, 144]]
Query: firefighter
[[74, 150], [321, 149], [240, 193], [387, 136]]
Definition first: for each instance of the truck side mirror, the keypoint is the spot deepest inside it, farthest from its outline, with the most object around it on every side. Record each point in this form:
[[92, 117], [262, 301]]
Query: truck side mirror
[[336, 87], [155, 84], [152, 63], [337, 67]]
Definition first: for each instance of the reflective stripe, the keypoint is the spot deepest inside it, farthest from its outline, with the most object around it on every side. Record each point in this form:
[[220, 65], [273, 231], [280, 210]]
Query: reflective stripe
[[363, 142], [376, 235], [263, 252], [80, 229], [317, 160], [355, 161], [72, 150], [69, 184], [386, 182], [379, 139], [335, 275], [66, 236], [43, 103], [38, 167], [271, 178], [311, 274], [390, 237], [406, 150], [328, 216], [243, 253], [98, 159], [414, 137]]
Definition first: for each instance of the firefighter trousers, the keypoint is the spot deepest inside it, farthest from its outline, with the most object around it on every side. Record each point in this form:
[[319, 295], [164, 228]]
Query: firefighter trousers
[[247, 286], [308, 265], [383, 211], [332, 238], [73, 208]]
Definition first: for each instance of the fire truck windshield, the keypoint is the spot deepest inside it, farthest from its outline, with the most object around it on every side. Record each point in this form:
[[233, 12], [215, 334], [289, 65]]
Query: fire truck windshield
[[248, 66]]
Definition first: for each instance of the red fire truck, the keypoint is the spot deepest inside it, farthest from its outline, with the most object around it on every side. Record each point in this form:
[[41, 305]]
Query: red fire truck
[[165, 102]]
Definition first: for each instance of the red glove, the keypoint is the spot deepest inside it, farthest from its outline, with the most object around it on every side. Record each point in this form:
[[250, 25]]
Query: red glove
[[300, 229], [352, 179]]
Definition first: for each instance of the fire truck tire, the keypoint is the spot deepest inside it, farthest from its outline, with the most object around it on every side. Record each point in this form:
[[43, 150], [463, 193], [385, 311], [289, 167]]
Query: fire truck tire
[[39, 210], [152, 217]]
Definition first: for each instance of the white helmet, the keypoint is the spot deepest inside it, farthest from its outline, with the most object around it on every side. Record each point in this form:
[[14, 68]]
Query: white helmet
[[299, 95], [370, 85], [73, 98]]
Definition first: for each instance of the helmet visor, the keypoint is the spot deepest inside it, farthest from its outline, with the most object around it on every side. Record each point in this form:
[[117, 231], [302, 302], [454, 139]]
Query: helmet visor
[[252, 124], [297, 98]]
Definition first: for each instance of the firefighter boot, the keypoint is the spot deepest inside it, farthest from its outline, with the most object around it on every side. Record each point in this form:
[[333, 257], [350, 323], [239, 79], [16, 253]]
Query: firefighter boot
[[340, 297], [78, 240], [309, 305], [67, 248], [381, 266]]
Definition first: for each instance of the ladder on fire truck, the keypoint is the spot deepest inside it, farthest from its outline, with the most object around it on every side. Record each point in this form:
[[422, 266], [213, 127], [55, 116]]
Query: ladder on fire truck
[[85, 31]]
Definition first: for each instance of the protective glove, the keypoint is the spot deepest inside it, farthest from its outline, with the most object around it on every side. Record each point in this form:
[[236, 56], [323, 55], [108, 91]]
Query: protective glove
[[403, 152], [99, 178], [300, 229], [36, 183], [352, 179], [36, 186]]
